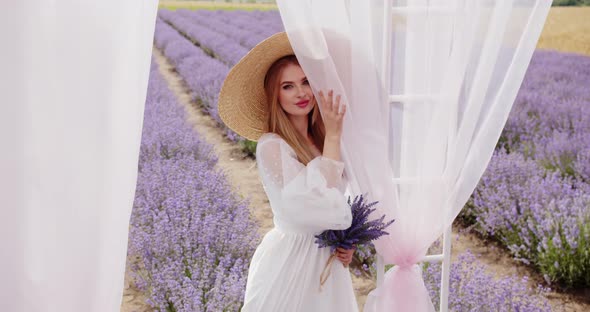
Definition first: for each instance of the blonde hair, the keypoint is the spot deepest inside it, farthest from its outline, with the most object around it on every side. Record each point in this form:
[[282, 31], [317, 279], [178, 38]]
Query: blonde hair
[[278, 121]]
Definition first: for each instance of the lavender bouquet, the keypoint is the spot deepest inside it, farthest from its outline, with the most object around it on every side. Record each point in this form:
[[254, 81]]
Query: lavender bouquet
[[361, 231]]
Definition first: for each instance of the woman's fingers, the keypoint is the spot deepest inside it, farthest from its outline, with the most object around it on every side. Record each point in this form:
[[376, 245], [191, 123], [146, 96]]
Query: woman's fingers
[[327, 101], [346, 262], [344, 251], [332, 113], [344, 255], [322, 99], [337, 105], [330, 100]]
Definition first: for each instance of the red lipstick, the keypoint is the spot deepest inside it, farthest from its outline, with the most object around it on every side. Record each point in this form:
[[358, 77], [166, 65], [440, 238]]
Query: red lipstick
[[303, 103]]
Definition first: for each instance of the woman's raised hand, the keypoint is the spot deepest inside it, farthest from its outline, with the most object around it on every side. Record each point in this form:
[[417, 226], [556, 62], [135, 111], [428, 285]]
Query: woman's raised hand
[[332, 115]]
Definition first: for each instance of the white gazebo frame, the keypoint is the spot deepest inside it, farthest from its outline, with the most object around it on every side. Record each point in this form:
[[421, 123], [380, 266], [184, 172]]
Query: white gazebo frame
[[445, 257]]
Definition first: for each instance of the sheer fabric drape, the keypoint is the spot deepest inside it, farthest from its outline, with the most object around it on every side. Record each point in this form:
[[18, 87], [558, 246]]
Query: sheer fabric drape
[[73, 85], [451, 73]]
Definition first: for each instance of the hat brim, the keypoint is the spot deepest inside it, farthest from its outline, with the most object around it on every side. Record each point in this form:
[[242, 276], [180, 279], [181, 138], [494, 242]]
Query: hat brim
[[242, 100]]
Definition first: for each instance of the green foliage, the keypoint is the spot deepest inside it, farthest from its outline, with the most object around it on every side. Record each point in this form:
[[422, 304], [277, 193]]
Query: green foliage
[[249, 147], [568, 265], [570, 2]]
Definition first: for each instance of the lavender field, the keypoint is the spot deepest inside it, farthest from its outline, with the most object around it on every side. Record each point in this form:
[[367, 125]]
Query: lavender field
[[193, 238]]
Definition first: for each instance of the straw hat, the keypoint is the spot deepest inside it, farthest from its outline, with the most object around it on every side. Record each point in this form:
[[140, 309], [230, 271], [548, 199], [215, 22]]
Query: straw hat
[[242, 100]]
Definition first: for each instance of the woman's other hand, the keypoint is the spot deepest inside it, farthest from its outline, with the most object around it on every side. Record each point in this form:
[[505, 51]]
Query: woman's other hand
[[332, 119], [345, 255], [332, 115]]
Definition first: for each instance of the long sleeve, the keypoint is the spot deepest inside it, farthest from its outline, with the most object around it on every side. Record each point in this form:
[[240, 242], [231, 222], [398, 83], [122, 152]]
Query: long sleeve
[[306, 196]]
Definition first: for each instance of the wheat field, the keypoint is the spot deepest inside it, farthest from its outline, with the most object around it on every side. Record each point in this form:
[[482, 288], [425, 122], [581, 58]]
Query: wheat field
[[567, 29]]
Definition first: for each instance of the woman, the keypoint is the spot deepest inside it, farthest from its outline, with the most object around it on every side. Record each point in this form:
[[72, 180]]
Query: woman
[[267, 98]]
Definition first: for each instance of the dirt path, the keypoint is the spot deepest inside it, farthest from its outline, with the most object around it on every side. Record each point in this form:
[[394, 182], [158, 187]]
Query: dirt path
[[133, 299], [242, 173]]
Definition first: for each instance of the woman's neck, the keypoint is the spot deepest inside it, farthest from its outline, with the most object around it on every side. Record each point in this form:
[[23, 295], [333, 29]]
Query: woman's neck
[[301, 125]]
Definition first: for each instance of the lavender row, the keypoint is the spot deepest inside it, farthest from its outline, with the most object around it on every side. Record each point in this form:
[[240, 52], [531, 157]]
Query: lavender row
[[472, 288], [244, 27], [550, 121], [202, 74], [540, 216], [243, 36], [191, 237], [226, 49]]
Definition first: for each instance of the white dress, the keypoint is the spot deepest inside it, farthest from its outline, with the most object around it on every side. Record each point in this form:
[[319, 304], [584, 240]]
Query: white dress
[[285, 270]]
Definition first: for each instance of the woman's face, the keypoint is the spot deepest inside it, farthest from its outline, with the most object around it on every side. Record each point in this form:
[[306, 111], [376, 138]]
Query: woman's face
[[295, 95]]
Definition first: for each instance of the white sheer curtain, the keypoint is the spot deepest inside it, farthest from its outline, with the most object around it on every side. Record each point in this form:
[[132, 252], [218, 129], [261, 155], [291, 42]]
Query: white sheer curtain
[[425, 112], [73, 83]]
